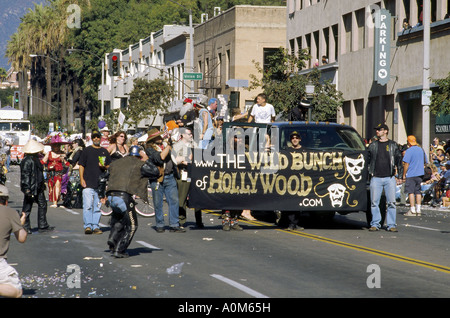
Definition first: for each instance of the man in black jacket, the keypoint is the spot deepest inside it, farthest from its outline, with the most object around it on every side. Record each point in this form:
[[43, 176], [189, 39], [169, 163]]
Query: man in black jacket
[[126, 177], [32, 184], [385, 162]]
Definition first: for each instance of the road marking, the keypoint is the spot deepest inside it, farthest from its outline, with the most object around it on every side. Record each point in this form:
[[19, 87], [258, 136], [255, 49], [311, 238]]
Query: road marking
[[150, 246], [239, 286], [422, 227], [396, 257], [71, 211]]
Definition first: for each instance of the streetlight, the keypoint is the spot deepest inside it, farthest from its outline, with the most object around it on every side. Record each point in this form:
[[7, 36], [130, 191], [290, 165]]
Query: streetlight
[[59, 84], [191, 40], [103, 73]]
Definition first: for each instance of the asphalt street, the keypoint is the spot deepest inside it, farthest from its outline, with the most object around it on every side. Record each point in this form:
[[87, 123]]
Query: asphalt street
[[337, 259]]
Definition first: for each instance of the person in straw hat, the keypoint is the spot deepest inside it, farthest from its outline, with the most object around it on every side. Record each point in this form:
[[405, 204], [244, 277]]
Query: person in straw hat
[[32, 184]]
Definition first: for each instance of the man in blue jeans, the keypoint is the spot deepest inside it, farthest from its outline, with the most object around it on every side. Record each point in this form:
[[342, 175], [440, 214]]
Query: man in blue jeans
[[94, 160], [159, 153], [384, 157]]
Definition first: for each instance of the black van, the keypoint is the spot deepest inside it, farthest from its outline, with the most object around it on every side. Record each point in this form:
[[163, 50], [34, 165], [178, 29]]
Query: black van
[[263, 173]]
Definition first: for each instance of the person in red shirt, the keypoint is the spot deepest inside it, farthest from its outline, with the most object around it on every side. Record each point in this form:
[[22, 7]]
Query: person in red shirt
[[55, 162]]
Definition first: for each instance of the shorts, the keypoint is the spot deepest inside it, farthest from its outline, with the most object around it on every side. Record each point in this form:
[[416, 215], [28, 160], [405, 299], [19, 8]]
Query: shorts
[[413, 185], [9, 275]]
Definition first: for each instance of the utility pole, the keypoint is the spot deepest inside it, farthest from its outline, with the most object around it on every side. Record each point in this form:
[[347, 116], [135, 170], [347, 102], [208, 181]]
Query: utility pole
[[426, 76]]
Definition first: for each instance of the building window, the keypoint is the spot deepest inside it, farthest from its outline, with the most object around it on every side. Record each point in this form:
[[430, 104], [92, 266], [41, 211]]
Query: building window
[[219, 68], [123, 102], [267, 52], [347, 38], [107, 107], [361, 21]]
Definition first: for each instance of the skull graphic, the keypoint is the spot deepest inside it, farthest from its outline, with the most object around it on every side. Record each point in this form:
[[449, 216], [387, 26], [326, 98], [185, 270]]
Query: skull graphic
[[336, 192], [355, 166]]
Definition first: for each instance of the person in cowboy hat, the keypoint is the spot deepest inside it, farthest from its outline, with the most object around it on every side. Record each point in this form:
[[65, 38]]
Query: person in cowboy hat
[[160, 155], [32, 184], [104, 141]]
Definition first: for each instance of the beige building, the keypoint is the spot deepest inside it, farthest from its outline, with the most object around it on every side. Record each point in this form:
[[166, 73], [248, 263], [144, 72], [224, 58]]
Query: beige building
[[227, 44], [344, 32]]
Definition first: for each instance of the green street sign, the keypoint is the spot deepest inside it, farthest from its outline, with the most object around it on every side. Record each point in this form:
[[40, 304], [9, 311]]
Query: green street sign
[[193, 76]]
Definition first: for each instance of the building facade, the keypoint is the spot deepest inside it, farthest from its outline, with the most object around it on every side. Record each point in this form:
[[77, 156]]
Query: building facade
[[163, 53], [227, 46], [343, 33]]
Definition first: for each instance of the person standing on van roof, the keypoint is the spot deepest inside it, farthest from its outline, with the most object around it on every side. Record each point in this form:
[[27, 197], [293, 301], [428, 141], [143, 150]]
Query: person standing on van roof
[[383, 156], [262, 111]]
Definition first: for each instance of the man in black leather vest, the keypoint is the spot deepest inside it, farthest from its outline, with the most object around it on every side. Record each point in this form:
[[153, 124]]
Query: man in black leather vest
[[125, 177], [32, 184]]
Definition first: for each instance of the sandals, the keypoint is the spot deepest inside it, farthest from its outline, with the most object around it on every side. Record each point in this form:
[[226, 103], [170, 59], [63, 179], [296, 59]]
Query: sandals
[[410, 213], [247, 216]]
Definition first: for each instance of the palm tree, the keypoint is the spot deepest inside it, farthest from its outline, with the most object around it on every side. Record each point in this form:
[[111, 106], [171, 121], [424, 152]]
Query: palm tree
[[43, 31]]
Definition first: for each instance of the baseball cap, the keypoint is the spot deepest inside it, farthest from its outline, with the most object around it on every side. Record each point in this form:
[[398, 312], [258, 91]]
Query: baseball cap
[[4, 191], [382, 126], [96, 134], [412, 140], [294, 133]]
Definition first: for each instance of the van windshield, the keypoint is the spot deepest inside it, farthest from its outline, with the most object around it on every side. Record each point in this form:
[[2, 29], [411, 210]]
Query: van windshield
[[324, 138]]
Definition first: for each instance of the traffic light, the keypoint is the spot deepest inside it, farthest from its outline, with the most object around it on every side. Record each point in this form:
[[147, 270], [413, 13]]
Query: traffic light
[[114, 64], [16, 97]]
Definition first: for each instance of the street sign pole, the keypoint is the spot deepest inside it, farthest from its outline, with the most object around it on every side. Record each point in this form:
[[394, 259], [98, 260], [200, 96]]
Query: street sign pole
[[193, 76], [426, 75]]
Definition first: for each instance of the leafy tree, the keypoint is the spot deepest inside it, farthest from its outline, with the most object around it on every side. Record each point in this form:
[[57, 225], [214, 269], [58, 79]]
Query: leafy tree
[[105, 25], [149, 98], [285, 87], [41, 123], [2, 74], [440, 100], [6, 96]]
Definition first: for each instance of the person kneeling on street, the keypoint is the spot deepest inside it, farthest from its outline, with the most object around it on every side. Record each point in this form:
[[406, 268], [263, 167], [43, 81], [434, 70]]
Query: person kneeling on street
[[125, 177]]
